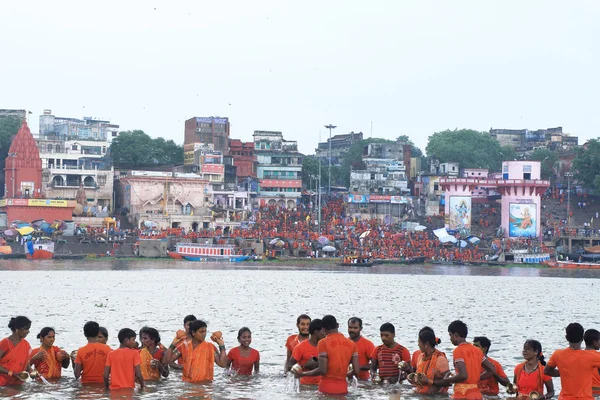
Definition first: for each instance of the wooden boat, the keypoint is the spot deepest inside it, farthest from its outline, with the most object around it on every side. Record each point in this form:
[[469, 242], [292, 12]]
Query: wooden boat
[[206, 252], [593, 249], [355, 261], [573, 265], [369, 264]]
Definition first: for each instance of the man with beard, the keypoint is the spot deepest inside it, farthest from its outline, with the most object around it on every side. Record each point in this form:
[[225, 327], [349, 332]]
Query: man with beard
[[302, 323], [365, 347], [306, 353]]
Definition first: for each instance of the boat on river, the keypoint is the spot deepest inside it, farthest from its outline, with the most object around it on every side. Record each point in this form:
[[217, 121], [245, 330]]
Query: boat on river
[[573, 265], [355, 261], [39, 251], [206, 252]]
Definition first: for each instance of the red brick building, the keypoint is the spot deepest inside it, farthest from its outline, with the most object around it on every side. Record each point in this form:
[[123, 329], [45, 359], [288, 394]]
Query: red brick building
[[243, 158], [208, 130]]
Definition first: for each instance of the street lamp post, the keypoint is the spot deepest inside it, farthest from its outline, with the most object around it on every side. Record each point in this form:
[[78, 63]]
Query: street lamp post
[[13, 156], [569, 175], [330, 127]]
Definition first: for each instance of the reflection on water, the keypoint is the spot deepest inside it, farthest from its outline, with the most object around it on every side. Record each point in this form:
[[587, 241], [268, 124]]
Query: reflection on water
[[508, 305]]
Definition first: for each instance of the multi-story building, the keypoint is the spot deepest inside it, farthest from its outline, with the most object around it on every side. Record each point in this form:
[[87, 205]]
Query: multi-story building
[[208, 130], [279, 169], [21, 114], [524, 140], [244, 159], [340, 144], [77, 129]]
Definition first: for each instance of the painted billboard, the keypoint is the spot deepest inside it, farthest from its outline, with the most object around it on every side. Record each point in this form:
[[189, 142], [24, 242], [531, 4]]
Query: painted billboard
[[522, 221], [460, 212]]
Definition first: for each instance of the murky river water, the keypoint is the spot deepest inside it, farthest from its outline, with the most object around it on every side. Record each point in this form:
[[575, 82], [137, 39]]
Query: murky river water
[[508, 305]]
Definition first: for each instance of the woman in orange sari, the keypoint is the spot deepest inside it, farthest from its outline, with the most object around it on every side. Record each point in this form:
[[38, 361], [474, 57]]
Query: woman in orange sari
[[14, 353], [197, 354], [432, 364], [529, 375], [152, 353], [49, 359]]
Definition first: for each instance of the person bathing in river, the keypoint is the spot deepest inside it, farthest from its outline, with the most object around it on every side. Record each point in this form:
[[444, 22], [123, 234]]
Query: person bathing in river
[[306, 353], [592, 343], [431, 363], [488, 383], [183, 334], [102, 335], [151, 355], [468, 361], [91, 358], [529, 375], [388, 355], [243, 359], [48, 359], [364, 346], [123, 364], [14, 352], [198, 355], [302, 323]]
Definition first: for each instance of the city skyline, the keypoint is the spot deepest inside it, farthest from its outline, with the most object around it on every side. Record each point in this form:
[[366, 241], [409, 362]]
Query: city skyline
[[411, 68]]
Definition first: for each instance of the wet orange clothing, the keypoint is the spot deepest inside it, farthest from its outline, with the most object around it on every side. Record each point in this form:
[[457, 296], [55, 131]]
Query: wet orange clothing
[[92, 358], [434, 367], [365, 349], [595, 382], [472, 357], [293, 341], [15, 359], [528, 382], [149, 373], [198, 363], [122, 363], [302, 354], [339, 352], [50, 368], [490, 386], [576, 369], [243, 365]]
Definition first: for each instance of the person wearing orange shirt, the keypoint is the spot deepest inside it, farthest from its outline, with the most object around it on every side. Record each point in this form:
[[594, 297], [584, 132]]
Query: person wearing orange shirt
[[198, 355], [306, 353], [151, 355], [529, 375], [243, 359], [432, 363], [468, 361], [336, 353], [387, 356], [365, 347], [91, 359], [14, 352], [302, 323], [592, 343], [488, 383], [48, 359], [123, 365], [576, 366]]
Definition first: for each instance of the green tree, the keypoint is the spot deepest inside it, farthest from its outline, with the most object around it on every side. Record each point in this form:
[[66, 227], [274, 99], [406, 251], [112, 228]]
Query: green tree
[[414, 150], [548, 160], [132, 149], [470, 148], [9, 126], [586, 164]]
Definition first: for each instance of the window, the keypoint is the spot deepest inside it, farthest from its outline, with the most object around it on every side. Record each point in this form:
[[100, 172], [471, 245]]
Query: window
[[74, 147]]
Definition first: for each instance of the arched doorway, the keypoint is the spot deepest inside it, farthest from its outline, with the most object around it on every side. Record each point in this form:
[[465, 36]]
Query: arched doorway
[[58, 181], [291, 204], [89, 181], [195, 226]]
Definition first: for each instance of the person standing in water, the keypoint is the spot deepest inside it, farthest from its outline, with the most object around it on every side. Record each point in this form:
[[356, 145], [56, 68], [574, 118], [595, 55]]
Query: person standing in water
[[306, 353], [14, 352], [432, 363], [48, 359], [91, 359], [468, 361], [102, 335], [576, 366], [243, 359], [302, 323], [123, 365], [529, 375], [387, 356], [364, 346], [592, 343], [151, 355], [335, 354], [488, 383], [183, 334]]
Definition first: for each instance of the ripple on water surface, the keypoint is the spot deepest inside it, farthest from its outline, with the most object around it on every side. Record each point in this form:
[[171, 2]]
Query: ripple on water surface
[[507, 305]]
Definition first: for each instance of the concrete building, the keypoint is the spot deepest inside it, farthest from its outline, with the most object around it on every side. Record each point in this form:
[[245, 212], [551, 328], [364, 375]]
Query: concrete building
[[524, 140], [21, 114], [208, 130], [340, 144], [279, 169], [244, 159], [77, 129]]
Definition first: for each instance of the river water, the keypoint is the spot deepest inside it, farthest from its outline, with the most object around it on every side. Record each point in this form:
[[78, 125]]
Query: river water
[[509, 305]]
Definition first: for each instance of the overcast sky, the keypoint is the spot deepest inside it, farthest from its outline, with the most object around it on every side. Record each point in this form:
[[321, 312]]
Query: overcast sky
[[410, 67]]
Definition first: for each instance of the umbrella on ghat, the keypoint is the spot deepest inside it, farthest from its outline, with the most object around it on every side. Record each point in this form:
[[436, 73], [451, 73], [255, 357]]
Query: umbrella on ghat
[[364, 234], [26, 230]]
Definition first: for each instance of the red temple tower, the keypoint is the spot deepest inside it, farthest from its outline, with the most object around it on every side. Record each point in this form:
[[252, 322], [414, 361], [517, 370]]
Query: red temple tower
[[23, 167]]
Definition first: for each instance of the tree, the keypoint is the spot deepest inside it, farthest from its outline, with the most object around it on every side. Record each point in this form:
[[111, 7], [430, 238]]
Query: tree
[[586, 164], [132, 149], [470, 148], [548, 160], [414, 150], [9, 126]]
